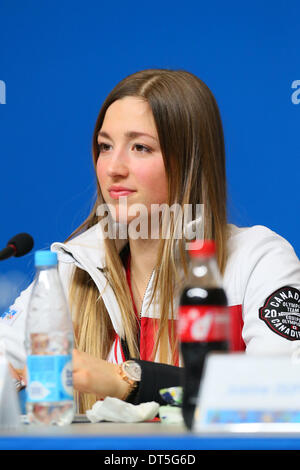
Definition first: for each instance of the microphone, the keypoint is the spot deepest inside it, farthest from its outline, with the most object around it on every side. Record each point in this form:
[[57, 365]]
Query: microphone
[[17, 246]]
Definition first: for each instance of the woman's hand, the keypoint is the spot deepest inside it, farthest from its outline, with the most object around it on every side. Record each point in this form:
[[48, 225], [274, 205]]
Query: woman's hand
[[93, 375], [18, 374]]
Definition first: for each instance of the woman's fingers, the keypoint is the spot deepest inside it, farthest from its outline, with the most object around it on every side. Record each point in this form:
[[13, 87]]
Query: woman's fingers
[[94, 375]]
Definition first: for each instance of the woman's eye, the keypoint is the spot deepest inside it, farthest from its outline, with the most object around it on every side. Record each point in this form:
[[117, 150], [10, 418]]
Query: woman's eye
[[142, 148], [103, 147]]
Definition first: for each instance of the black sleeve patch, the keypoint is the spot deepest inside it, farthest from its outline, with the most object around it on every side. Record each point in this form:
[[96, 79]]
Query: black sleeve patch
[[281, 313]]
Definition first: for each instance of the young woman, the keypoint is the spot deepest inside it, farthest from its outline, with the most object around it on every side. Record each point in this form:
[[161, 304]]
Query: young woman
[[158, 140]]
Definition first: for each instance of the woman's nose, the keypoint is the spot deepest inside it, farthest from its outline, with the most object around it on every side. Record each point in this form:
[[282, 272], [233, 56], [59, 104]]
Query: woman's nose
[[118, 166]]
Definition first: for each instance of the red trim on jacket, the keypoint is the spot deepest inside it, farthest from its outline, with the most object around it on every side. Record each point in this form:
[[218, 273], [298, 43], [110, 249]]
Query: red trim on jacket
[[236, 328], [149, 327]]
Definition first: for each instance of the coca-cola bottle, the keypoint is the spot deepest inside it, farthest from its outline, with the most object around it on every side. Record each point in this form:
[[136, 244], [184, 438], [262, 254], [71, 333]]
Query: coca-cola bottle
[[203, 320]]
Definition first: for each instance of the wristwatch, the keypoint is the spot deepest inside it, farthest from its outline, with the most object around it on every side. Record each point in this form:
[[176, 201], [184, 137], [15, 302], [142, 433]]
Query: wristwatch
[[131, 372]]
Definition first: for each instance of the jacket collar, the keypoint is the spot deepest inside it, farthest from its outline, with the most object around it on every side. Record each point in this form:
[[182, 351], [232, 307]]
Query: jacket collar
[[88, 246]]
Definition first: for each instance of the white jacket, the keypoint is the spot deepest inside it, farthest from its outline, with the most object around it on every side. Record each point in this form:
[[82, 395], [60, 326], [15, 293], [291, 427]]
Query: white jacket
[[261, 280]]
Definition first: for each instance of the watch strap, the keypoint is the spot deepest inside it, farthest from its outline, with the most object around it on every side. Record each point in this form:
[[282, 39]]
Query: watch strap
[[132, 383]]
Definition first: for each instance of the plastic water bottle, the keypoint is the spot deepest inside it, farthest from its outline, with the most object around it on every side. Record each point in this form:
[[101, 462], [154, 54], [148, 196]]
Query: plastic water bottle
[[49, 344]]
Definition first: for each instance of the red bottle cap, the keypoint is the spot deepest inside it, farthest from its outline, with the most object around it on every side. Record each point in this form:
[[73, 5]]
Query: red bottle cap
[[204, 248]]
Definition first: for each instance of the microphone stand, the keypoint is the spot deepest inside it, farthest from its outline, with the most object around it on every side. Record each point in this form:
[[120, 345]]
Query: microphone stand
[[7, 252]]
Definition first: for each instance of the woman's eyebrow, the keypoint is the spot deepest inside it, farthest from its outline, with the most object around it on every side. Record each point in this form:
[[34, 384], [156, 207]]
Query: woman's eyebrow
[[103, 134], [129, 135], [134, 134]]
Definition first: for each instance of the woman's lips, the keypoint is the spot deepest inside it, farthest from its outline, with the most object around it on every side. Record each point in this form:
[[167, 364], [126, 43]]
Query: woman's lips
[[115, 194]]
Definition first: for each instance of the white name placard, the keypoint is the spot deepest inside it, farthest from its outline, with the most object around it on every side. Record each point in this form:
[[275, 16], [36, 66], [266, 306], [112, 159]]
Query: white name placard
[[237, 388]]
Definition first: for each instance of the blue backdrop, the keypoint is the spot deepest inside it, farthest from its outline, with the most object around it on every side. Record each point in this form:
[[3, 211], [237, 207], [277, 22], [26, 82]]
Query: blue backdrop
[[60, 59]]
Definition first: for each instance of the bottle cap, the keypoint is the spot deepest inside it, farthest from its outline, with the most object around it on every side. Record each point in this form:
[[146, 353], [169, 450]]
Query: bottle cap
[[204, 248], [45, 258]]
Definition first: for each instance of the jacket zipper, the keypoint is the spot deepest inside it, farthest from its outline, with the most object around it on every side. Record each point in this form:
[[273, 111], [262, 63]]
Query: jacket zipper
[[140, 314]]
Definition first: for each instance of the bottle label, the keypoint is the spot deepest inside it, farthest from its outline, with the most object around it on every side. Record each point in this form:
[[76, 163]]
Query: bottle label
[[203, 323], [50, 378]]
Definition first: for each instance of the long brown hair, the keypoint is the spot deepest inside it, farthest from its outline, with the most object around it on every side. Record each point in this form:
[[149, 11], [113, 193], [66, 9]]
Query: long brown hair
[[191, 139]]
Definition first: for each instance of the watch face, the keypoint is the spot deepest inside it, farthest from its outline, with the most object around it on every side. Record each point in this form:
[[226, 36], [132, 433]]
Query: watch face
[[133, 370]]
